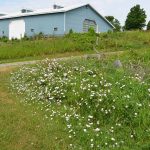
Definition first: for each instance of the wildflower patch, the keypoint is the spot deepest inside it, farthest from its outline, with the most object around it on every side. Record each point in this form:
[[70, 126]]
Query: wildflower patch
[[101, 108]]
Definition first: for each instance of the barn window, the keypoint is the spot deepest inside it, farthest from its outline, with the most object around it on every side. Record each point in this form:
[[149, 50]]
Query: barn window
[[55, 29], [89, 24], [32, 30]]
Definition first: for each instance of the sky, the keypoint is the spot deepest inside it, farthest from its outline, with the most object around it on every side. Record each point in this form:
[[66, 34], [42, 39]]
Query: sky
[[117, 8]]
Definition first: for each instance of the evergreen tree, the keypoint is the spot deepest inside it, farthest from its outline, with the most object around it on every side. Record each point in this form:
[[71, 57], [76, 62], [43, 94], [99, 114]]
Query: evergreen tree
[[136, 18]]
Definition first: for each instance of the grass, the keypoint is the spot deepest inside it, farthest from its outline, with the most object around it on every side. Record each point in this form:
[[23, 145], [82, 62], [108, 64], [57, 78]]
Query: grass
[[101, 106], [52, 56], [133, 40], [22, 126], [39, 47], [35, 49], [78, 104]]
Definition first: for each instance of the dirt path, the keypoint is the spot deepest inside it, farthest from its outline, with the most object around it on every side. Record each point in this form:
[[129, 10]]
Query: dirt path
[[15, 64]]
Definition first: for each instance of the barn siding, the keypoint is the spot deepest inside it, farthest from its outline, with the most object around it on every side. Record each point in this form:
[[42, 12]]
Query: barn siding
[[75, 18], [45, 24], [4, 26]]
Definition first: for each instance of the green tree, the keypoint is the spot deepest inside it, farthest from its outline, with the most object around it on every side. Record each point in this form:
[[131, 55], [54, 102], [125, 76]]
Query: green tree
[[114, 22], [148, 26], [136, 18]]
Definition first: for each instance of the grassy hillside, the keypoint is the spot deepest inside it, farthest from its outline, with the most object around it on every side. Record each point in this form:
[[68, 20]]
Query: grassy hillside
[[38, 46], [102, 107], [77, 104]]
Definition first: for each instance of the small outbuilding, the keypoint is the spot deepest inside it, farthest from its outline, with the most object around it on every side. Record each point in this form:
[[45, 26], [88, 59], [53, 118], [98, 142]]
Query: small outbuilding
[[57, 21]]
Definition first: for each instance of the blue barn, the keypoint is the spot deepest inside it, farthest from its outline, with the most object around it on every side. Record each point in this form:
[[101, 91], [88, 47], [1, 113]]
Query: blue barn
[[57, 21]]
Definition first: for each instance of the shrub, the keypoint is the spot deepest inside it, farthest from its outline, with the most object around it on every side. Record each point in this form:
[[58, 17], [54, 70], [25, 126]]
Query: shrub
[[70, 31], [26, 38], [91, 31], [4, 39]]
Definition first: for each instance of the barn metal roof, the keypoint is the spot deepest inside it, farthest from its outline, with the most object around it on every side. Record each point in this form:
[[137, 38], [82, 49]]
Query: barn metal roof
[[50, 11]]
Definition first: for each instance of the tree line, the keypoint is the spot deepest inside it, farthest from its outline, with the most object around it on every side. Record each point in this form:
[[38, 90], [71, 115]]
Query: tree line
[[136, 20]]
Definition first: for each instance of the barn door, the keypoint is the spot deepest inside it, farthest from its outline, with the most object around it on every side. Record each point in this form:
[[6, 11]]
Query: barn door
[[89, 24], [16, 29]]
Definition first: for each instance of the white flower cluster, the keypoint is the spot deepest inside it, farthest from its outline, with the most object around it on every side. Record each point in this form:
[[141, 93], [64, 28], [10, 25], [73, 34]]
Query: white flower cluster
[[97, 108]]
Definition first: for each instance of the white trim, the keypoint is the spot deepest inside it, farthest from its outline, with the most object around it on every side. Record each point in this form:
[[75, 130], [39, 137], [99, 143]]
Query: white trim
[[97, 29]]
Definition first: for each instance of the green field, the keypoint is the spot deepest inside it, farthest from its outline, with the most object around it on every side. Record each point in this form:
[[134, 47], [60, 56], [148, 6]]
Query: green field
[[40, 47], [80, 103]]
